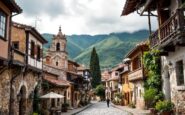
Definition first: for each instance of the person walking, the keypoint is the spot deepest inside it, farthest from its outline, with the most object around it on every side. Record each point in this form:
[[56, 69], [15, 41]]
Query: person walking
[[108, 100]]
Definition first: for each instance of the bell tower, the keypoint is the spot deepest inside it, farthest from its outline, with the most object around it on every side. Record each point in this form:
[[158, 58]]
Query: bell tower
[[57, 54]]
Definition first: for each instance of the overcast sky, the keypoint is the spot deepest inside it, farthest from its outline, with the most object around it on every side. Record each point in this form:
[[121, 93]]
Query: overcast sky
[[79, 16]]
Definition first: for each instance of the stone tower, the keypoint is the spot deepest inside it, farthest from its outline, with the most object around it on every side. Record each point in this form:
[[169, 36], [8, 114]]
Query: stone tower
[[57, 55]]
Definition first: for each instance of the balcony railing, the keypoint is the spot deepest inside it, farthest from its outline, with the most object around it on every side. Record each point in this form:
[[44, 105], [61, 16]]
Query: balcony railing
[[18, 56], [169, 28], [135, 75]]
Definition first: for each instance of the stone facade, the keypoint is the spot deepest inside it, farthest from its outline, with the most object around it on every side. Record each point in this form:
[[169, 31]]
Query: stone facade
[[169, 73], [29, 80], [57, 55]]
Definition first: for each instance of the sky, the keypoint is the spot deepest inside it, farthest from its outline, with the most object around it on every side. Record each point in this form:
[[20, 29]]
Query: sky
[[80, 16]]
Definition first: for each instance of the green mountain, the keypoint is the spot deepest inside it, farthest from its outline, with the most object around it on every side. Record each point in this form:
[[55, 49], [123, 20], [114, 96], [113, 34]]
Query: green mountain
[[111, 48]]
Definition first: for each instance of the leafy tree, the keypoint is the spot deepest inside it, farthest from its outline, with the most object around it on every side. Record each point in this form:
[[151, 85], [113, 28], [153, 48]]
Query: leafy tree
[[100, 91], [95, 69]]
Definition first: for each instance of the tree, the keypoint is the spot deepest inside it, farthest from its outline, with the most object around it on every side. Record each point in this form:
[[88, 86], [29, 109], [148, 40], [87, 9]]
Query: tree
[[100, 91], [95, 69]]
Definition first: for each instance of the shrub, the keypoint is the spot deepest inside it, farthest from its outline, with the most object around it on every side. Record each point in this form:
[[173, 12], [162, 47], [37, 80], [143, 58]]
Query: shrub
[[163, 106], [132, 105], [149, 97], [100, 91]]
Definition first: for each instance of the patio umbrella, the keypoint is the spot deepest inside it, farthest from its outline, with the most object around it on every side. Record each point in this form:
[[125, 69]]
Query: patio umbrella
[[52, 95]]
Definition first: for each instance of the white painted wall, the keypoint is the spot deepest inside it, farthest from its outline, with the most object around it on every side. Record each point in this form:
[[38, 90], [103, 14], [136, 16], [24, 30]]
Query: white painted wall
[[31, 61]]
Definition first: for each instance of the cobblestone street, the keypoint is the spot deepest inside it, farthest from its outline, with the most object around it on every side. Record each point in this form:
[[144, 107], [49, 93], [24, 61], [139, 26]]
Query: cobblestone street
[[100, 108]]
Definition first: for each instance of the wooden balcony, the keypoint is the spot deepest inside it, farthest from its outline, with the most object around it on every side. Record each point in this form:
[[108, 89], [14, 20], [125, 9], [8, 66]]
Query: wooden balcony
[[18, 56], [170, 32], [136, 74]]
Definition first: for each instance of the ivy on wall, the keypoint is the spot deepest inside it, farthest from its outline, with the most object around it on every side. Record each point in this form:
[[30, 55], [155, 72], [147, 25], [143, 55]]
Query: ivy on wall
[[151, 60]]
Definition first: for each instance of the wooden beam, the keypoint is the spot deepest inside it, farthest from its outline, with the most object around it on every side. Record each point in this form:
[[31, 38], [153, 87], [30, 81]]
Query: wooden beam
[[163, 53], [170, 48], [149, 23]]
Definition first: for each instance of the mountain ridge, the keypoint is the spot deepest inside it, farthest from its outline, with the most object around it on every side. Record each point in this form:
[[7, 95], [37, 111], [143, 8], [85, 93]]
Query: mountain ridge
[[111, 48]]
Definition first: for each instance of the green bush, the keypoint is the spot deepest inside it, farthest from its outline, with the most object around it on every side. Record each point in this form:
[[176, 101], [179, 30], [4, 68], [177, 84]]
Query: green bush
[[163, 106], [35, 114], [65, 105], [100, 91], [149, 97], [132, 105]]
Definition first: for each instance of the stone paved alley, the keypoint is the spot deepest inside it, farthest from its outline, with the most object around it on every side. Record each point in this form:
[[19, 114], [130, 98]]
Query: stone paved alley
[[100, 108]]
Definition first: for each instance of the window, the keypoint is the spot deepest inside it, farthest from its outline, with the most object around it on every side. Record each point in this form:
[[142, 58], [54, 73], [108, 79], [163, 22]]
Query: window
[[140, 92], [180, 73], [15, 45], [136, 91], [58, 47], [2, 24], [57, 63], [116, 74], [32, 49], [38, 53], [136, 63]]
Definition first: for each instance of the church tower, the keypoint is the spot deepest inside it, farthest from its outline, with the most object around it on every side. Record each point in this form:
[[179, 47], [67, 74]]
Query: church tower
[[57, 55]]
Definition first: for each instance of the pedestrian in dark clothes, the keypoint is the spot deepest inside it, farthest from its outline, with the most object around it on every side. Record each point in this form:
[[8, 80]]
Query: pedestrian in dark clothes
[[108, 100]]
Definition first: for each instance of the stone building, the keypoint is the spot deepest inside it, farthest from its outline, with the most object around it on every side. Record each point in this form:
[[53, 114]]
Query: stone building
[[57, 55], [7, 9], [127, 87], [112, 84], [52, 83], [170, 40], [55, 70], [73, 94], [136, 75], [26, 68]]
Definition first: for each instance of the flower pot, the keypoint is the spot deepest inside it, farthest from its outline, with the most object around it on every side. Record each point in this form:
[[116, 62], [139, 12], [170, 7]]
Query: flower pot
[[153, 111], [64, 109], [166, 113]]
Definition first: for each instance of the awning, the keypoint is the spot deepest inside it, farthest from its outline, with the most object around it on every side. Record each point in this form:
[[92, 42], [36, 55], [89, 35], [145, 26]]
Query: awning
[[52, 95]]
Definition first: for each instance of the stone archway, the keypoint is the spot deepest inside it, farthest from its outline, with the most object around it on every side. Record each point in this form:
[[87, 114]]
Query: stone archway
[[36, 99], [166, 83], [22, 101]]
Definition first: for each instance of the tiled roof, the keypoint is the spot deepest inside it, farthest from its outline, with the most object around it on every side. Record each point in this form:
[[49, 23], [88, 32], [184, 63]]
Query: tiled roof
[[33, 30], [61, 83], [81, 67]]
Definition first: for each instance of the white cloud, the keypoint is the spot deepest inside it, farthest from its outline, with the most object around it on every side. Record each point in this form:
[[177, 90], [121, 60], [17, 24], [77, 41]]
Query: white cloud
[[80, 16]]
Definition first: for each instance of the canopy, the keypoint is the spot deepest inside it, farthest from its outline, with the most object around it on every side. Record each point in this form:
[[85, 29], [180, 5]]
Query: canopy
[[52, 95]]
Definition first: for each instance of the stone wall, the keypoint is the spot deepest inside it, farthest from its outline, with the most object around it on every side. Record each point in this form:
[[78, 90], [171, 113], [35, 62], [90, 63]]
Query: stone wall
[[4, 92], [29, 81], [176, 93]]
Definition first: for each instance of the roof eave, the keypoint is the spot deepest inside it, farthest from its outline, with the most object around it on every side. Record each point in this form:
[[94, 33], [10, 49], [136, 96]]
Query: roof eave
[[13, 6]]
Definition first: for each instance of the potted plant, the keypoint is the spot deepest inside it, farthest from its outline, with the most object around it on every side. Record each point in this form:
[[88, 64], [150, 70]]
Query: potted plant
[[65, 107], [164, 107]]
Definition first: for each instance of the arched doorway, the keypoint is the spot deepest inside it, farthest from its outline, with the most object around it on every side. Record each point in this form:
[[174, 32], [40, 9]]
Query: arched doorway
[[22, 101], [36, 100], [65, 96], [166, 83]]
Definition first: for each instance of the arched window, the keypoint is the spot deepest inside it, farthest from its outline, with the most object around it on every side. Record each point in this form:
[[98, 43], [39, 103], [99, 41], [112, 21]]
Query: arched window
[[58, 47], [57, 63]]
